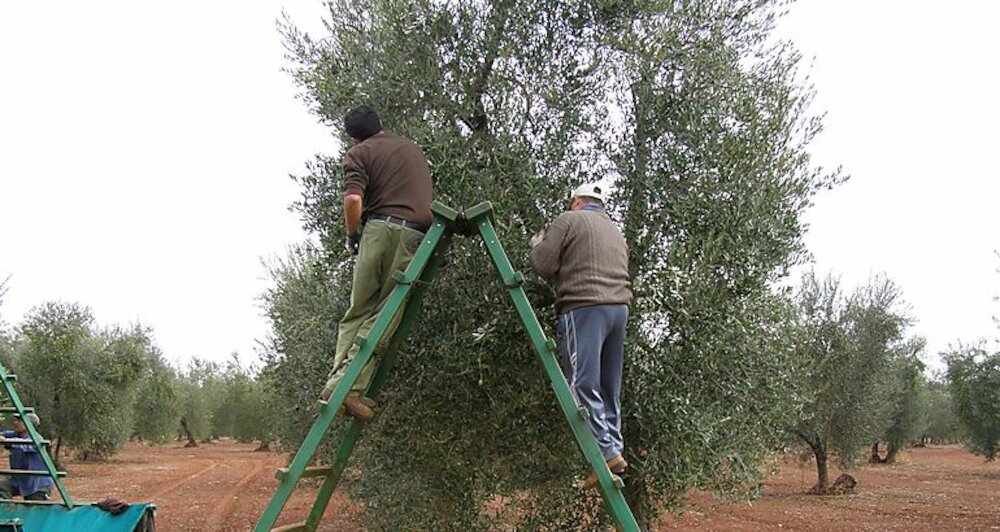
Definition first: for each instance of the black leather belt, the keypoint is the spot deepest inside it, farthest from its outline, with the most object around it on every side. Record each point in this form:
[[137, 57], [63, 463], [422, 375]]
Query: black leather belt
[[398, 221]]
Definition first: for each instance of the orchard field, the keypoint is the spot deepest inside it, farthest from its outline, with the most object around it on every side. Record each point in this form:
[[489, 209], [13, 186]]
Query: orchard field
[[225, 486]]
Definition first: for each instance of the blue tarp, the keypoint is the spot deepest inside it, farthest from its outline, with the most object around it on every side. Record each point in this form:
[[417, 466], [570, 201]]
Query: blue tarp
[[55, 517]]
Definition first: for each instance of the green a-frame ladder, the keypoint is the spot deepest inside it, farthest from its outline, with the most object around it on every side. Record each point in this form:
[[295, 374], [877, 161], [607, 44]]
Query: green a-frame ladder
[[407, 295]]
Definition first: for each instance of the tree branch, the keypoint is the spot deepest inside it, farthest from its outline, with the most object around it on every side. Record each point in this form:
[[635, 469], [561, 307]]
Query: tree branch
[[478, 121]]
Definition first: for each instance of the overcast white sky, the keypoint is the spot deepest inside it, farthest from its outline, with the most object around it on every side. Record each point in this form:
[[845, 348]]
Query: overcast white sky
[[145, 148]]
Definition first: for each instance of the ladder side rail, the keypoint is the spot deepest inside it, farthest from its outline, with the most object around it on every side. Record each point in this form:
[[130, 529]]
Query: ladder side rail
[[36, 439], [410, 313], [328, 412], [618, 507]]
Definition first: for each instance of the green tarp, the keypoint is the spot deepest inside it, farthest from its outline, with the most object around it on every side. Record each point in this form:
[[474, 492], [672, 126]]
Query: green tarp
[[56, 518]]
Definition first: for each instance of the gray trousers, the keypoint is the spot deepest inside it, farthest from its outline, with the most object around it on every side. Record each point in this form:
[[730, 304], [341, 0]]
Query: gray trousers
[[592, 343]]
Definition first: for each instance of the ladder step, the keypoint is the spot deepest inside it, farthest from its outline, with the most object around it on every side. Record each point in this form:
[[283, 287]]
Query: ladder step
[[294, 527], [11, 377], [29, 472], [27, 409], [22, 441], [311, 471]]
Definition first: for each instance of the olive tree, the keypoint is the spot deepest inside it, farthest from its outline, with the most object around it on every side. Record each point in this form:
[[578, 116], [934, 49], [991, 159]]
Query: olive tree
[[698, 122], [196, 385], [974, 382], [158, 406], [240, 409], [908, 404], [943, 425], [6, 337], [81, 379], [851, 343]]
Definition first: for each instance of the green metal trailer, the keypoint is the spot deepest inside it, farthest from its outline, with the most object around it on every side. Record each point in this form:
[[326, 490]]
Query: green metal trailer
[[28, 516]]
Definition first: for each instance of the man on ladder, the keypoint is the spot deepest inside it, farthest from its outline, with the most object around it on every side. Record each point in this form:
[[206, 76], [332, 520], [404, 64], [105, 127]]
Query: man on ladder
[[586, 256], [24, 457], [387, 210]]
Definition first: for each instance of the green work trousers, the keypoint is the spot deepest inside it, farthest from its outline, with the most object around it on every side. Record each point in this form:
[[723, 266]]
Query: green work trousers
[[385, 248]]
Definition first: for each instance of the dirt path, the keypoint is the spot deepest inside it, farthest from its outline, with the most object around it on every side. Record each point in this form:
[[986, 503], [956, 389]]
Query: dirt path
[[226, 485], [217, 486]]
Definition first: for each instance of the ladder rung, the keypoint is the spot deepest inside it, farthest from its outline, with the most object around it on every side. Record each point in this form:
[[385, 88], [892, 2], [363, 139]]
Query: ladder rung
[[11, 377], [29, 472], [294, 527], [27, 409], [22, 441], [311, 471]]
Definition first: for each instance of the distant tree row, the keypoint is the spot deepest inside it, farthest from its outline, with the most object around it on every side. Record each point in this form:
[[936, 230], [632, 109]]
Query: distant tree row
[[95, 387]]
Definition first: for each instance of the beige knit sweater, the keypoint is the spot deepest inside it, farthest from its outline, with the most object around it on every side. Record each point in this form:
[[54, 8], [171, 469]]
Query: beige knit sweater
[[586, 255]]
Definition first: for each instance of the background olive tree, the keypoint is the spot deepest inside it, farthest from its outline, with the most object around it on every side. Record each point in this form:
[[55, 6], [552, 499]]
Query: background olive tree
[[81, 379], [95, 387], [699, 120], [6, 336], [943, 425], [908, 404], [852, 344], [974, 383], [158, 405]]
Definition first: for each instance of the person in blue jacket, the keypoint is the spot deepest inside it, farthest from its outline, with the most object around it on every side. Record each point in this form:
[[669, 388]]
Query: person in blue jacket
[[24, 456]]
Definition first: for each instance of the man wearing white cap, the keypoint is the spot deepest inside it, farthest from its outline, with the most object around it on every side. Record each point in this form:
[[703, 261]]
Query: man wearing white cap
[[24, 456], [584, 253]]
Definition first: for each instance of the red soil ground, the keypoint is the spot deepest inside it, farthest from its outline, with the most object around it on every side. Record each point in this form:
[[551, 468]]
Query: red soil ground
[[931, 488], [225, 486], [217, 486]]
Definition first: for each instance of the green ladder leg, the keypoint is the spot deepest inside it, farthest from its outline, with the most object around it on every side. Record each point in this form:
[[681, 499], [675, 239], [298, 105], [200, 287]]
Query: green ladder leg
[[621, 514], [346, 447], [328, 412]]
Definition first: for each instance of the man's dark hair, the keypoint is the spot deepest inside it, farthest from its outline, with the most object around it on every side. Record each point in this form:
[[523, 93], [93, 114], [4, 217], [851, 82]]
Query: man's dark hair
[[362, 122]]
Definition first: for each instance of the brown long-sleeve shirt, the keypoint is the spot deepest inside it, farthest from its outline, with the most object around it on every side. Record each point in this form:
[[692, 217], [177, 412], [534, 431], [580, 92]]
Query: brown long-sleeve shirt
[[586, 255], [391, 175]]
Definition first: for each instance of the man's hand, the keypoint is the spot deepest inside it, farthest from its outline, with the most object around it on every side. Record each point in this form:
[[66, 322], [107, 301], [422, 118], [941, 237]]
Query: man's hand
[[537, 239], [352, 243]]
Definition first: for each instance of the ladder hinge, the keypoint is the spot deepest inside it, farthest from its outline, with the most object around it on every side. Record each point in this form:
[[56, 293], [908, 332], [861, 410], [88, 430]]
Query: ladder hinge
[[515, 280]]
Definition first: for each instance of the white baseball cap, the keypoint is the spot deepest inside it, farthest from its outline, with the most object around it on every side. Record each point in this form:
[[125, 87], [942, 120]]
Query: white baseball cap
[[595, 191], [32, 417]]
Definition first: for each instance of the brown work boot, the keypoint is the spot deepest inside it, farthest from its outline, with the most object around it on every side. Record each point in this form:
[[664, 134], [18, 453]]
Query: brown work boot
[[359, 407], [325, 395], [616, 465]]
